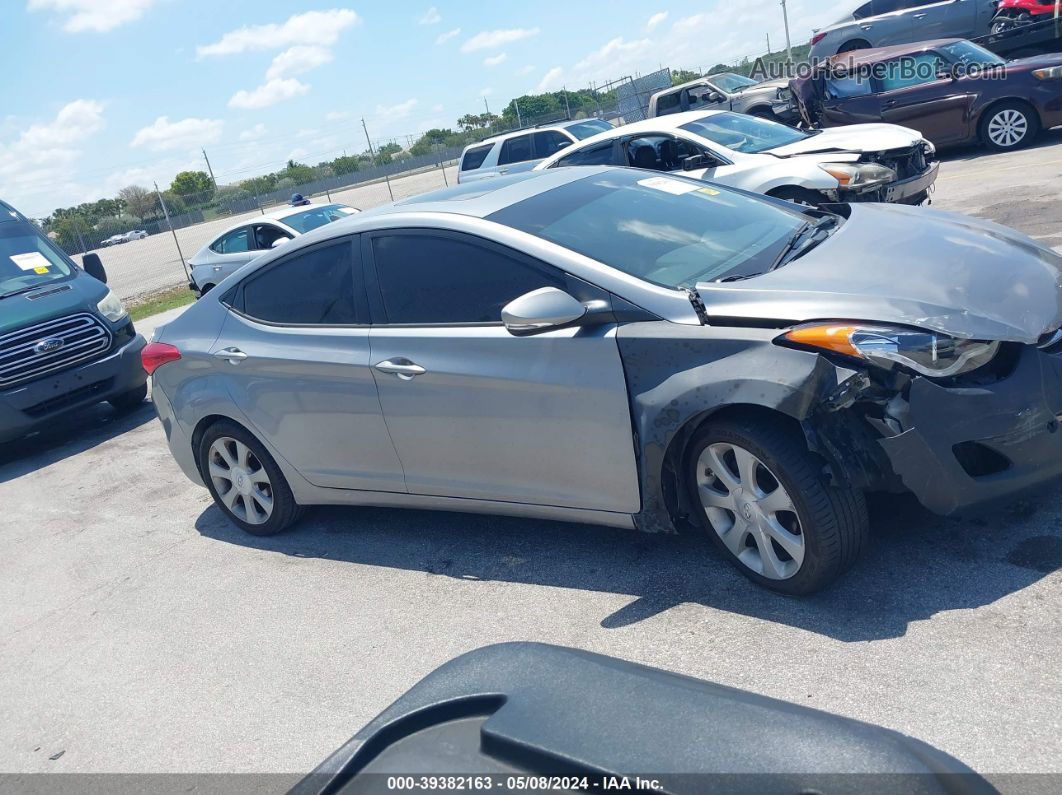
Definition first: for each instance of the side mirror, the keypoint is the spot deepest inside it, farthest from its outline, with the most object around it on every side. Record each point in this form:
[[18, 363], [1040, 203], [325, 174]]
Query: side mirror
[[93, 266], [713, 97], [563, 145], [280, 241], [696, 162], [541, 310]]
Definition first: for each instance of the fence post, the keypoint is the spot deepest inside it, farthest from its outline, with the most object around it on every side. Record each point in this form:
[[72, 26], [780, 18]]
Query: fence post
[[173, 232]]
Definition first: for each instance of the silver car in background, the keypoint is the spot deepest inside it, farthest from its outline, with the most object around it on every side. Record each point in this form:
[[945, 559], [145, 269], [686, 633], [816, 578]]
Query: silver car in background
[[522, 150], [641, 350], [249, 238], [769, 99]]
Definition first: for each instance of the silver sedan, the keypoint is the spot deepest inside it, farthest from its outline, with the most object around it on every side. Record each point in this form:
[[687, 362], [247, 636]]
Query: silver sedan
[[645, 351]]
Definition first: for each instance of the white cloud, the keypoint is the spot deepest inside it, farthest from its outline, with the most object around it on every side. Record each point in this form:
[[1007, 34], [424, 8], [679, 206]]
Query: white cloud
[[437, 108], [186, 133], [655, 20], [618, 57], [96, 15], [269, 93], [321, 28], [492, 39], [486, 92], [551, 81], [38, 163], [338, 115], [395, 112], [494, 60], [445, 37], [297, 60], [253, 133], [523, 71], [430, 17]]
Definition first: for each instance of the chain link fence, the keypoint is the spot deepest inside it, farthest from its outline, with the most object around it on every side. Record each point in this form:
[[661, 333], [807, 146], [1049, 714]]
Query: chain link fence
[[147, 243]]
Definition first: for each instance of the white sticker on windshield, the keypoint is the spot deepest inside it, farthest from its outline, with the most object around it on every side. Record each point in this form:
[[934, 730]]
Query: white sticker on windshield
[[31, 261], [673, 186]]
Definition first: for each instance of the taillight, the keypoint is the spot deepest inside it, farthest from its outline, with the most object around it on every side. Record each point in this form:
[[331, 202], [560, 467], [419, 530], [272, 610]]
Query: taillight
[[817, 38], [156, 354]]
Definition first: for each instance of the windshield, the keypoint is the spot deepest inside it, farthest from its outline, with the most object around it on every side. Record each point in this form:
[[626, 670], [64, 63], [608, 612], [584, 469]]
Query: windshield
[[731, 83], [743, 133], [967, 53], [670, 231], [28, 259], [315, 217], [585, 129]]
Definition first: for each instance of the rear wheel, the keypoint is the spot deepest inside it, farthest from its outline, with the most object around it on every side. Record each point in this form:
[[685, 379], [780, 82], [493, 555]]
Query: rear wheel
[[1005, 22], [855, 44], [245, 481], [1008, 126], [764, 501]]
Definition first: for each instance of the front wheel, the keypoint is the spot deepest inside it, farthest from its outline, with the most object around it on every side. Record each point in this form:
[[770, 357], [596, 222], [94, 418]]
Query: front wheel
[[245, 481], [762, 497], [1009, 126]]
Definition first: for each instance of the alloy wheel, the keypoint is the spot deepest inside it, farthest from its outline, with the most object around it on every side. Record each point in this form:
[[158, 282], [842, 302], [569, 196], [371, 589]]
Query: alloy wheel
[[750, 510], [240, 480], [1008, 128]]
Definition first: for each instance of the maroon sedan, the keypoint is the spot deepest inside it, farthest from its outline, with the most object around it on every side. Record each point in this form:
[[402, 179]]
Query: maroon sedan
[[951, 90]]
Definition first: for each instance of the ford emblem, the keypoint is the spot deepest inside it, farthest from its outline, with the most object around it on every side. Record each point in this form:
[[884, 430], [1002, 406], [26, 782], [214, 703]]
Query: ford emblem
[[48, 345]]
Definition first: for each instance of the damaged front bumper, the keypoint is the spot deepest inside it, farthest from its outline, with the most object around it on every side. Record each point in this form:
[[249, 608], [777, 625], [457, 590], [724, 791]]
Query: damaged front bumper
[[913, 190], [965, 446]]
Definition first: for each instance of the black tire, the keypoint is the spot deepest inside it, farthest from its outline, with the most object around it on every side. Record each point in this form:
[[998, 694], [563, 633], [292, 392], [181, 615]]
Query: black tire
[[127, 401], [1028, 113], [802, 196], [852, 46], [205, 289], [832, 521], [285, 511]]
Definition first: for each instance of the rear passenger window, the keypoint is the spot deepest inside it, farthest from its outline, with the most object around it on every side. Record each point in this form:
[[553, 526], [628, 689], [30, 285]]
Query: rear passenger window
[[515, 150], [455, 281], [313, 288], [549, 142], [474, 158], [669, 103], [597, 155]]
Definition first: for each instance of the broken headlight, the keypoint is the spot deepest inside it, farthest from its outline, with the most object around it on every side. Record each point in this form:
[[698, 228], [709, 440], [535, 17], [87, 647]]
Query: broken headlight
[[859, 176], [925, 352]]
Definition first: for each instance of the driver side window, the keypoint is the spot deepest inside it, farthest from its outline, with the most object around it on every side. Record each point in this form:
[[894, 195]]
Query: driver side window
[[702, 97], [267, 234], [660, 152]]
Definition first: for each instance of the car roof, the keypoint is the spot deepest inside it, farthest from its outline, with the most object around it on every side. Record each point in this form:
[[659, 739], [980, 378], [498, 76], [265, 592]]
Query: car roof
[[553, 125], [276, 214], [856, 58], [669, 123]]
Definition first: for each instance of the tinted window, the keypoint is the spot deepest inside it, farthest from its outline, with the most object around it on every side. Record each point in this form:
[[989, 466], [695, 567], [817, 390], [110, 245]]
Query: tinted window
[[515, 150], [744, 133], [585, 129], [266, 235], [668, 103], [966, 52], [313, 288], [700, 96], [911, 70], [235, 242], [456, 281], [549, 142], [886, 6], [732, 83], [848, 87], [664, 229], [474, 157], [596, 155], [660, 152]]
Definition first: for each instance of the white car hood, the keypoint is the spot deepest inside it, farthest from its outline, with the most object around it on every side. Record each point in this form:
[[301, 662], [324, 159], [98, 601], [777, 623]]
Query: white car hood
[[853, 138]]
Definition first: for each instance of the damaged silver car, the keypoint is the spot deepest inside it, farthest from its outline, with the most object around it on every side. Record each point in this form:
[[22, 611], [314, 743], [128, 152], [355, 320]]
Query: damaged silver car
[[609, 346]]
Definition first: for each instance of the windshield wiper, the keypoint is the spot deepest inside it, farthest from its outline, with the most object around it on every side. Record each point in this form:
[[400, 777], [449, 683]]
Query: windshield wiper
[[793, 248], [20, 291], [738, 278]]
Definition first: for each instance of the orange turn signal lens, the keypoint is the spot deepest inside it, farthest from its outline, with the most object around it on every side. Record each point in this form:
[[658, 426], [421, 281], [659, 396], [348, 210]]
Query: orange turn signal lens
[[827, 337]]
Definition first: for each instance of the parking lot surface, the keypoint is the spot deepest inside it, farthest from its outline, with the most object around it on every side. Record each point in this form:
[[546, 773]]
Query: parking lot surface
[[143, 633]]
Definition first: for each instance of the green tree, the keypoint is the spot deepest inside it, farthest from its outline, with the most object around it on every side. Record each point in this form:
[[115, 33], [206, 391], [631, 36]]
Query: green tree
[[347, 164], [194, 187], [680, 76], [141, 202]]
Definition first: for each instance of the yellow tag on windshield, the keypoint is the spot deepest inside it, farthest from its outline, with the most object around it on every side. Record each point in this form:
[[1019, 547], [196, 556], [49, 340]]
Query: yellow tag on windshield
[[40, 270], [709, 191]]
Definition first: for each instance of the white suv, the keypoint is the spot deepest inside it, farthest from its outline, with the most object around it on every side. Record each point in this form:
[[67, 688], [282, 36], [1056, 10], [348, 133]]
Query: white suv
[[523, 149]]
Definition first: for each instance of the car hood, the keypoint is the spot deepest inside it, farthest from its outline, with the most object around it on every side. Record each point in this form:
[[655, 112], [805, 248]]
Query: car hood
[[50, 301], [853, 138], [889, 263]]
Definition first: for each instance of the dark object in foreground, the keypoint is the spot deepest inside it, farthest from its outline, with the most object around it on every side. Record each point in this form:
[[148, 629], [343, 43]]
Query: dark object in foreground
[[503, 716]]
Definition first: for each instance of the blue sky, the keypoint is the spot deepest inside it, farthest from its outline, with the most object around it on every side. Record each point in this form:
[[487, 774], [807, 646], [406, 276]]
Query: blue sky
[[100, 94]]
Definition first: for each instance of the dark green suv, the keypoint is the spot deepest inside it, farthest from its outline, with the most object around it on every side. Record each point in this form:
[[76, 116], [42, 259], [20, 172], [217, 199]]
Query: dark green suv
[[65, 340]]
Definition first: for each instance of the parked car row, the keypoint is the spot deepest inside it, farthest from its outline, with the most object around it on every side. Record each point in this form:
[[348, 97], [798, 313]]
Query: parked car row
[[124, 237]]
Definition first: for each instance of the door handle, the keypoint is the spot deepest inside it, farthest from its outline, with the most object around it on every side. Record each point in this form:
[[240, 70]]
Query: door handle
[[920, 16], [231, 355], [889, 104], [403, 368]]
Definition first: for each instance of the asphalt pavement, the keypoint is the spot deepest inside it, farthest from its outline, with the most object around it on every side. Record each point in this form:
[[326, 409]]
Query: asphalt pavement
[[143, 633]]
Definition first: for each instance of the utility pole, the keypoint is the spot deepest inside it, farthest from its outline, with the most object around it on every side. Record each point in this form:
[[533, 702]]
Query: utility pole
[[788, 43], [169, 223], [519, 122], [768, 43], [485, 105], [373, 153], [567, 108], [207, 159]]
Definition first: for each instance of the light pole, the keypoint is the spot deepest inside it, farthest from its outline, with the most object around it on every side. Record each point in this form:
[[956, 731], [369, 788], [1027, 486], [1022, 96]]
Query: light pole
[[788, 43]]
